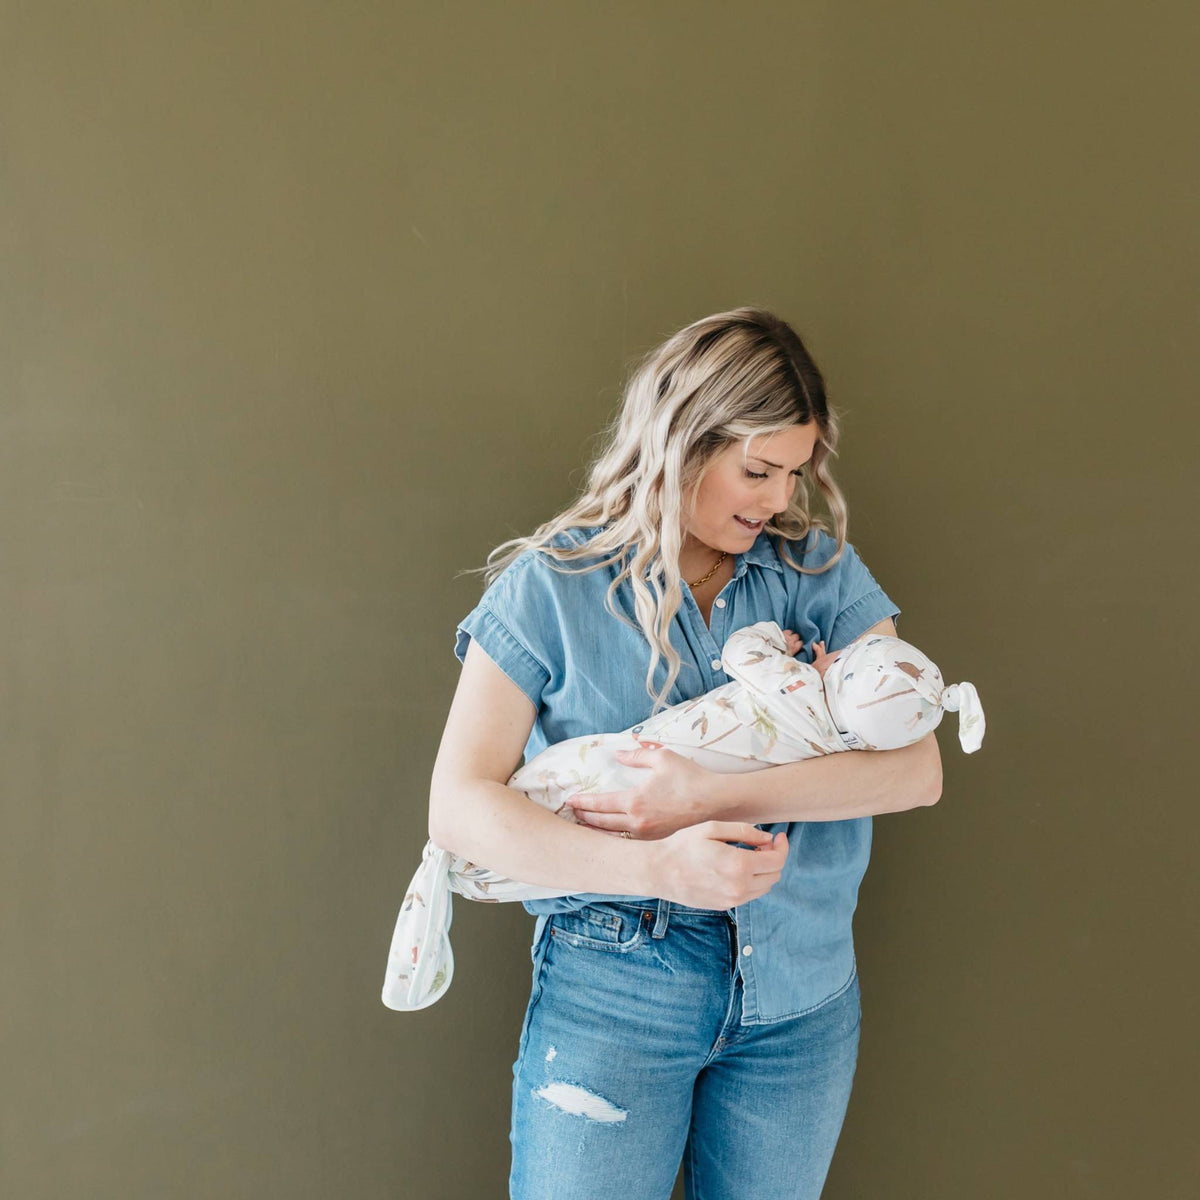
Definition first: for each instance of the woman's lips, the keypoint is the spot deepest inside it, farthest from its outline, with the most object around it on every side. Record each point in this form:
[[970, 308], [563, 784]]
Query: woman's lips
[[746, 524]]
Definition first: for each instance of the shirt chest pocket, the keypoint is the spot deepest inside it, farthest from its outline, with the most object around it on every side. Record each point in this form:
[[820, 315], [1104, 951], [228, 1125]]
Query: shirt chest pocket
[[592, 928]]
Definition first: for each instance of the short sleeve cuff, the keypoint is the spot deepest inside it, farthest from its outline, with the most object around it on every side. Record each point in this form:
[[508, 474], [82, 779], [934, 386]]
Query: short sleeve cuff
[[504, 650], [854, 621]]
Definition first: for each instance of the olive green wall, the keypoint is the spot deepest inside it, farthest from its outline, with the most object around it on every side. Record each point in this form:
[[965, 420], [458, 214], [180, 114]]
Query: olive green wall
[[306, 306]]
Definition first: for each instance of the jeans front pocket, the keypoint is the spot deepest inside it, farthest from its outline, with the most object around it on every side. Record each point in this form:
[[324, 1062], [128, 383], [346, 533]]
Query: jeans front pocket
[[597, 927]]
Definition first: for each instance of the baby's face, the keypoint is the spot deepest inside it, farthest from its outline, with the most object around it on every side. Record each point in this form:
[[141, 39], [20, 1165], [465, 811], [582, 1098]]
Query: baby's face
[[821, 660]]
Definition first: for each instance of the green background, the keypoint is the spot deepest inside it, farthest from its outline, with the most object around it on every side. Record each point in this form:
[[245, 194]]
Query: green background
[[304, 307]]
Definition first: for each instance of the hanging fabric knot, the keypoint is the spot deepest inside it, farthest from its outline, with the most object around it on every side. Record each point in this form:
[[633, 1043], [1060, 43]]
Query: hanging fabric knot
[[963, 699]]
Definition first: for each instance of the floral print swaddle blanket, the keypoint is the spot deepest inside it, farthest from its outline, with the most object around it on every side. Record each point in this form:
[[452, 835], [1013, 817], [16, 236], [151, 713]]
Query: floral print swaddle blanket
[[879, 693]]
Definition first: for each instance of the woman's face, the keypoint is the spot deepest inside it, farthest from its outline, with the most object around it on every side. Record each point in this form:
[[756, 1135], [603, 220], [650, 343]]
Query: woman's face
[[756, 491]]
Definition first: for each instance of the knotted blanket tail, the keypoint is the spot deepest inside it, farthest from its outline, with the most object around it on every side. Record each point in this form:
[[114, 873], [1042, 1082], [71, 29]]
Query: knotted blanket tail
[[963, 699], [420, 961]]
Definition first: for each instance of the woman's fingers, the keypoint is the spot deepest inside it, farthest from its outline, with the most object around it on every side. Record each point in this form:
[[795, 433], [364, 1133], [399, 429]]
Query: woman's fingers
[[738, 831], [605, 821], [639, 757], [770, 858], [597, 801]]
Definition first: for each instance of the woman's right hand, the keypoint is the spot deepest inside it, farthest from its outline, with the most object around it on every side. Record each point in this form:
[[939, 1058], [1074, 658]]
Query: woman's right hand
[[696, 866]]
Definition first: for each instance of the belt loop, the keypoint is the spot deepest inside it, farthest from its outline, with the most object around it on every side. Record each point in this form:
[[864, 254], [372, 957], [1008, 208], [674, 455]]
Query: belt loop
[[660, 921]]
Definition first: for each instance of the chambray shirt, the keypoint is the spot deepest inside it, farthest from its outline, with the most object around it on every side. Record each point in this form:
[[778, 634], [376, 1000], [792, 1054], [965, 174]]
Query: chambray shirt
[[585, 673]]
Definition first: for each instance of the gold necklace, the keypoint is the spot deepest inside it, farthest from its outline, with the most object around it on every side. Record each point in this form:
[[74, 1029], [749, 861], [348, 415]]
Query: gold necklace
[[706, 578]]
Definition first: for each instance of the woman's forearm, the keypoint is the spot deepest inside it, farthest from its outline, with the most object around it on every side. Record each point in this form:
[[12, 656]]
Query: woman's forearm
[[500, 827], [831, 787]]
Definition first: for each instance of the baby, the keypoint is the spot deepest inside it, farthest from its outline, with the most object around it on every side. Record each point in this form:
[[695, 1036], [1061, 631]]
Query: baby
[[878, 693]]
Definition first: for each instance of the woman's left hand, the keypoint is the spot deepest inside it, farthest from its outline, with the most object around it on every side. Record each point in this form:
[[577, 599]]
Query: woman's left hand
[[671, 798]]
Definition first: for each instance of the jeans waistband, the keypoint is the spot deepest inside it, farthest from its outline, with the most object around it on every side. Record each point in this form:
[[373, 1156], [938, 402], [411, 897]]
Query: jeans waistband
[[663, 911]]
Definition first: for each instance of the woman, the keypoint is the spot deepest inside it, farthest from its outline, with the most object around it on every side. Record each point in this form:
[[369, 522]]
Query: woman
[[696, 997]]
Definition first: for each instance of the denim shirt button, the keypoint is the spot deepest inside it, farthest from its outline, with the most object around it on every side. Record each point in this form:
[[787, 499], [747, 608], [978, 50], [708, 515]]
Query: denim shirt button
[[719, 602], [716, 664], [747, 950]]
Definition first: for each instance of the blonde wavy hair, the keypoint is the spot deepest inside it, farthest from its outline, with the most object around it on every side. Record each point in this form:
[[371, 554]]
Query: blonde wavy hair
[[726, 378]]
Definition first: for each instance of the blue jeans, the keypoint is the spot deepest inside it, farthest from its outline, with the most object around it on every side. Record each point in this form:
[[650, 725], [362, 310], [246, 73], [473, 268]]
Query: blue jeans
[[632, 1058]]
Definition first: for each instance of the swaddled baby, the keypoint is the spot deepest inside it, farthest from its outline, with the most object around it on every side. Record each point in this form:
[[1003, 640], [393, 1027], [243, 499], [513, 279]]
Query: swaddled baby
[[878, 693]]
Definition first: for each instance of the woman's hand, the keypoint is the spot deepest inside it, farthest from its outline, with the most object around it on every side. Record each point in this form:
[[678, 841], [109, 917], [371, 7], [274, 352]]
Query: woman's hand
[[672, 797], [698, 867]]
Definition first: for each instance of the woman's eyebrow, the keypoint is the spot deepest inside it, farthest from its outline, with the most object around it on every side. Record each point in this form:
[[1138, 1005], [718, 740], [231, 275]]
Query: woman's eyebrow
[[777, 466]]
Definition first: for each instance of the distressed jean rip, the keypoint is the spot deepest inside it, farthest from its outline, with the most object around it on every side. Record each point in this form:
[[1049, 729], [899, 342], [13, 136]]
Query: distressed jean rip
[[578, 1101]]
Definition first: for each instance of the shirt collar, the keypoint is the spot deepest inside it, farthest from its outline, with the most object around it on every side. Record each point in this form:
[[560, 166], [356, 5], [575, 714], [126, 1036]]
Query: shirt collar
[[761, 554]]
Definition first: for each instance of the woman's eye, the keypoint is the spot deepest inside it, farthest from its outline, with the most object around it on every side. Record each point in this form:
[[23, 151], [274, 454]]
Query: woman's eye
[[755, 475]]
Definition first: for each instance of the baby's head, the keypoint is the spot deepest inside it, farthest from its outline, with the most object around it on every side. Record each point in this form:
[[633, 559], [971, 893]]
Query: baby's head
[[883, 693]]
